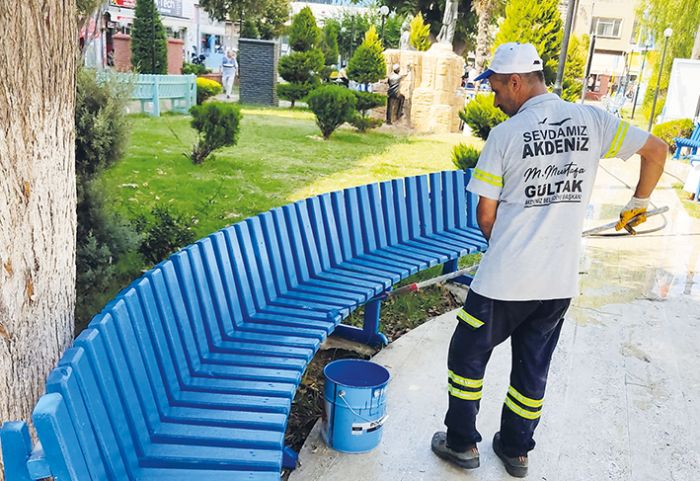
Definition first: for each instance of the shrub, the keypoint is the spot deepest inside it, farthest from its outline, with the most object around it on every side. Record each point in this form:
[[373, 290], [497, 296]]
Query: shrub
[[193, 68], [668, 131], [368, 100], [302, 67], [218, 124], [465, 156], [363, 122], [367, 64], [420, 34], [294, 91], [163, 231], [481, 115], [207, 88], [333, 105], [103, 239]]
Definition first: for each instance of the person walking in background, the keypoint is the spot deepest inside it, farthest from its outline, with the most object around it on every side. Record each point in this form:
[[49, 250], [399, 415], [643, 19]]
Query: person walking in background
[[229, 69]]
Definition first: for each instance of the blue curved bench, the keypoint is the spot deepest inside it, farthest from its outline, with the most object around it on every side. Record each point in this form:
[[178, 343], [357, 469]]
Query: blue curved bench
[[693, 143], [189, 373]]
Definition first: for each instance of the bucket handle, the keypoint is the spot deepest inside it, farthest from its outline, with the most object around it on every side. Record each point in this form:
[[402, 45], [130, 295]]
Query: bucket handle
[[341, 395]]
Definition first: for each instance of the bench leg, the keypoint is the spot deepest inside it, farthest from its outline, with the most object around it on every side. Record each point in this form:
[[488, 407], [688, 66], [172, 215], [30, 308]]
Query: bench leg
[[369, 334], [16, 449], [453, 266], [290, 458]]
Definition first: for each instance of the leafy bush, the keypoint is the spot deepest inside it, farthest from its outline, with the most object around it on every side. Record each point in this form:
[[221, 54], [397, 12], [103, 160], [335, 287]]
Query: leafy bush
[[481, 115], [329, 43], [103, 239], [465, 156], [193, 68], [368, 100], [162, 232], [218, 124], [250, 29], [365, 102], [363, 122], [207, 88], [668, 131], [294, 91], [572, 83], [333, 105], [419, 37], [367, 64]]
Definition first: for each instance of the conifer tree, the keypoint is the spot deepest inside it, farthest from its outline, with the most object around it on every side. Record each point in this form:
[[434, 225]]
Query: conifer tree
[[302, 68], [149, 45], [367, 64], [538, 23], [420, 33]]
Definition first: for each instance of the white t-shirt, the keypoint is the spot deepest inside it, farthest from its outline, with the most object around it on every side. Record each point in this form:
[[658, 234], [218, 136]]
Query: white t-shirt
[[540, 165]]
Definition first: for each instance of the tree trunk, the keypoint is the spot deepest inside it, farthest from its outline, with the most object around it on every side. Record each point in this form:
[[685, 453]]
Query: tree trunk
[[484, 11], [38, 54], [696, 47]]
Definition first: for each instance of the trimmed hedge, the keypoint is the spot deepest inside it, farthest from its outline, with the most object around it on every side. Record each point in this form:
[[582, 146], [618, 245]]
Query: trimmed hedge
[[207, 88], [333, 106], [668, 131], [465, 156], [481, 115]]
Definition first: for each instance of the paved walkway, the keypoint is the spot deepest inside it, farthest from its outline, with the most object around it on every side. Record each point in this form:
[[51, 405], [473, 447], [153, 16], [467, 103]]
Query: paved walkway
[[623, 401]]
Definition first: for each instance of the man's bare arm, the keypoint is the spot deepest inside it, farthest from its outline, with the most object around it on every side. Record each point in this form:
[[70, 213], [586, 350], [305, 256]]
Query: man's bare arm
[[486, 215], [653, 153]]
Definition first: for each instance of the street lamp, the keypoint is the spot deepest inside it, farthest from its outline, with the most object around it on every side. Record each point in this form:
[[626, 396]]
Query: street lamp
[[645, 48], [667, 34], [383, 11]]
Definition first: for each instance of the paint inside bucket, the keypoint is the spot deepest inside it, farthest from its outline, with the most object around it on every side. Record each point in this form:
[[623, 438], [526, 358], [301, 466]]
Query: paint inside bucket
[[355, 404]]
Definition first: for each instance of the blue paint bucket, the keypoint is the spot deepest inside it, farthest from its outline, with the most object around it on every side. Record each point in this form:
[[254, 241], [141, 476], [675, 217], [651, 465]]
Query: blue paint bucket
[[355, 405]]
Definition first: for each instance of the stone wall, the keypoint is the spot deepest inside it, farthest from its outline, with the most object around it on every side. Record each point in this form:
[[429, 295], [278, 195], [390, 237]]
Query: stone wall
[[433, 90], [257, 60]]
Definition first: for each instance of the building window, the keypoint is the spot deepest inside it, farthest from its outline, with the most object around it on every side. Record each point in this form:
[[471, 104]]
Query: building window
[[607, 27]]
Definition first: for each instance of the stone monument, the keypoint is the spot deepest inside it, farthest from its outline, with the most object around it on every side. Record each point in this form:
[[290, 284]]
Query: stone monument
[[432, 89]]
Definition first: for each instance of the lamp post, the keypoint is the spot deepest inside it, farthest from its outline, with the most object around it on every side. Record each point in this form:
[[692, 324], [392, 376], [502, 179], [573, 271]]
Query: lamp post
[[383, 11], [570, 13], [667, 34], [639, 79]]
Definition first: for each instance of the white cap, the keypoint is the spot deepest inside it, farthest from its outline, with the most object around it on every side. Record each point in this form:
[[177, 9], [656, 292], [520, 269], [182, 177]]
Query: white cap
[[514, 57]]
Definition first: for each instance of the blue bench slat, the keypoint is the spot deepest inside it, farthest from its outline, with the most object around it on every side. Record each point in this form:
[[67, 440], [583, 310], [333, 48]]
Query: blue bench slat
[[59, 439], [462, 201], [181, 433], [287, 253], [275, 319], [240, 366], [226, 417], [436, 201], [118, 443], [244, 247], [208, 457], [425, 212], [412, 209], [452, 195], [170, 474], [268, 231]]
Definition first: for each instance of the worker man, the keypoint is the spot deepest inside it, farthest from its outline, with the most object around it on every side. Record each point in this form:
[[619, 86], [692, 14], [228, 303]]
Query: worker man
[[534, 179]]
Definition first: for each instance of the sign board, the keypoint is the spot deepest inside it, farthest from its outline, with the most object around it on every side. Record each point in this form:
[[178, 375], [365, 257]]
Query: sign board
[[170, 8]]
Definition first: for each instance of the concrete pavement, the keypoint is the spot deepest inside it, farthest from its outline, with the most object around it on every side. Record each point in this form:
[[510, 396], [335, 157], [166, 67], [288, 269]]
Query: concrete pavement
[[623, 399]]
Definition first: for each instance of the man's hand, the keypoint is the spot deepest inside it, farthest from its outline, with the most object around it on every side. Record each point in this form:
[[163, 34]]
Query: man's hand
[[635, 207]]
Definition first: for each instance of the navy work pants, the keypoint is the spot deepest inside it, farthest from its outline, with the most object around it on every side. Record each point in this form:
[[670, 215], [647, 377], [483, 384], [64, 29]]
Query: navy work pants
[[483, 323]]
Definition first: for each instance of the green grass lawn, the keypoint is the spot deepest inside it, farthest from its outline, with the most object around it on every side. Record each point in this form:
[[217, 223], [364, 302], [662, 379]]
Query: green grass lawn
[[692, 207], [280, 158]]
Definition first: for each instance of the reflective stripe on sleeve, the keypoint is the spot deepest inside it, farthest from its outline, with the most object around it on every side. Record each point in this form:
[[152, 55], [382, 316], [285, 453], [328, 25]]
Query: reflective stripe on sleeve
[[490, 179], [618, 139]]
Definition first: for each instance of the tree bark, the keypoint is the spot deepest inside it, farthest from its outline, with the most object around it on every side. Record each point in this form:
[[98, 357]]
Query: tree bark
[[38, 55], [484, 10]]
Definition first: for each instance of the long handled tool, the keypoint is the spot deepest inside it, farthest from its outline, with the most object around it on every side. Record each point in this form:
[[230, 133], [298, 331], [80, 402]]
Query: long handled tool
[[603, 228], [417, 286]]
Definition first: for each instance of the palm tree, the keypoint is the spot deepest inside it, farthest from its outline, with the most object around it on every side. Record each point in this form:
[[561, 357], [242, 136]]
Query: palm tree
[[485, 10]]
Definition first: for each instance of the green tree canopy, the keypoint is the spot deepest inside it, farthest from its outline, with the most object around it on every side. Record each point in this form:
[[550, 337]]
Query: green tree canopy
[[149, 48], [572, 84], [420, 33], [329, 43], [538, 23], [367, 64], [269, 15], [304, 34], [682, 17], [433, 12]]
